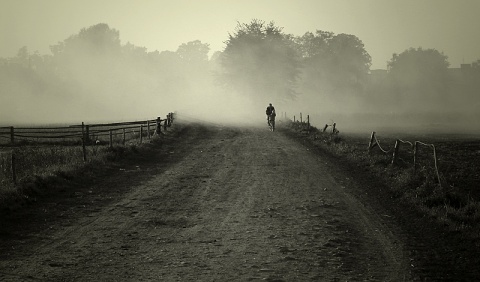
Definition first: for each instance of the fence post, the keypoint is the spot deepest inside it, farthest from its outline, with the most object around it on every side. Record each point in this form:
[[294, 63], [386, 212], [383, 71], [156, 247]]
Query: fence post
[[84, 150], [415, 152], [123, 141], [158, 126], [308, 122], [148, 129], [111, 139], [370, 144], [301, 118], [87, 133], [141, 133], [293, 118], [165, 124], [334, 129], [12, 135], [14, 171], [436, 166], [395, 152], [325, 127]]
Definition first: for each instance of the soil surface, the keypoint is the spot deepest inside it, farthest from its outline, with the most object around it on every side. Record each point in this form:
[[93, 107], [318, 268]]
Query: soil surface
[[215, 204]]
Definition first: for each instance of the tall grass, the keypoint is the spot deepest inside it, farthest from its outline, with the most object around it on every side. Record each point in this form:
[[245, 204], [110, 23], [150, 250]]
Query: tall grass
[[33, 163]]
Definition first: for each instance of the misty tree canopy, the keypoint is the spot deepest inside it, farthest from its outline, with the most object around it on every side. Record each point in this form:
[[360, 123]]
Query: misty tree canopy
[[422, 72], [93, 72], [333, 64], [260, 61]]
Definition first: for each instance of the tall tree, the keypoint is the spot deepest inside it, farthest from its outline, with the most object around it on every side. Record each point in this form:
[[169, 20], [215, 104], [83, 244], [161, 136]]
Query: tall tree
[[194, 51], [90, 58], [333, 64], [98, 39], [422, 72], [259, 61]]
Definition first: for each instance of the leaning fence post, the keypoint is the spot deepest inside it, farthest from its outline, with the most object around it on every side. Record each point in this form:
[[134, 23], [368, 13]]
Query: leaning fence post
[[415, 152], [370, 144], [395, 152], [12, 135], [14, 171], [84, 150], [334, 128], [436, 166]]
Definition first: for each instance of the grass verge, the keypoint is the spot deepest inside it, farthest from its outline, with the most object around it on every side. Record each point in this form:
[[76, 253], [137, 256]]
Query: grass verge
[[44, 170], [454, 201]]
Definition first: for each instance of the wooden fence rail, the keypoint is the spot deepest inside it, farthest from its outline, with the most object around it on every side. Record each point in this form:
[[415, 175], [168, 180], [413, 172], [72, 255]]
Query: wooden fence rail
[[87, 134], [10, 135]]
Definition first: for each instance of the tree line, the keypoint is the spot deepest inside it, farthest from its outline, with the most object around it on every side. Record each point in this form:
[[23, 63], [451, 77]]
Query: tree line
[[259, 61]]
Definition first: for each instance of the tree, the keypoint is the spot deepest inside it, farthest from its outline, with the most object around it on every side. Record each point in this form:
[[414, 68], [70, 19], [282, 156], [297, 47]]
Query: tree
[[194, 51], [90, 58], [259, 61], [350, 61], [194, 59], [98, 39], [419, 71], [333, 64]]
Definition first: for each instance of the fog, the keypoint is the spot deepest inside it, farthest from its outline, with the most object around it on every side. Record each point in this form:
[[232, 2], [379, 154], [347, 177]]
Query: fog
[[92, 77]]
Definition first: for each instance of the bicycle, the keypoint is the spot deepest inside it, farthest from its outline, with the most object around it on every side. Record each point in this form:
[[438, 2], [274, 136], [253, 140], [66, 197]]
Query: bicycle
[[271, 121]]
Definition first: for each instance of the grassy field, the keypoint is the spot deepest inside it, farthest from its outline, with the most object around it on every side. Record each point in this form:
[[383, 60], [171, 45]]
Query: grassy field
[[39, 163], [454, 200]]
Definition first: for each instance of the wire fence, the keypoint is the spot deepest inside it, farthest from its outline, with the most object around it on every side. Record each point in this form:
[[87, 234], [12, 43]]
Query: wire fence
[[414, 146]]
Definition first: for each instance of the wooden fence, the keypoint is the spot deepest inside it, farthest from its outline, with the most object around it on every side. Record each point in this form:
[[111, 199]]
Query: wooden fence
[[13, 138], [306, 126], [17, 136]]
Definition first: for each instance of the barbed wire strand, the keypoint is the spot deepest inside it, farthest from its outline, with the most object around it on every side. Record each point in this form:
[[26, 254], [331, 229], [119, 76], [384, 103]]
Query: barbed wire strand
[[378, 143]]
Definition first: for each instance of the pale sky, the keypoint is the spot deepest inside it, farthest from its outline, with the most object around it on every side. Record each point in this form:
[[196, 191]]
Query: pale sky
[[384, 26]]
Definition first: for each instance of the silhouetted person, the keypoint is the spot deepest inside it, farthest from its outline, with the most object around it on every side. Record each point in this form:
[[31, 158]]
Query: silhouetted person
[[270, 112]]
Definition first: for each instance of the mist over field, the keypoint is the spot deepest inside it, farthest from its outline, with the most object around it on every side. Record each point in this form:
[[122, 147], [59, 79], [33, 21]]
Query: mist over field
[[92, 77]]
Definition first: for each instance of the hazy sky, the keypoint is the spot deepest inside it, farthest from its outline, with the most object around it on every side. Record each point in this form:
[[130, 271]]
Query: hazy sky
[[384, 26]]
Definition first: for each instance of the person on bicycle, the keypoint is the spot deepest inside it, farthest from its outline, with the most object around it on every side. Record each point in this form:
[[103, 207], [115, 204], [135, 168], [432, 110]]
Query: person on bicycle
[[270, 110]]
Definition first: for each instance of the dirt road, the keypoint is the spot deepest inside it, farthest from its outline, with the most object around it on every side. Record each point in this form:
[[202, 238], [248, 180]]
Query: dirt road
[[220, 204]]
